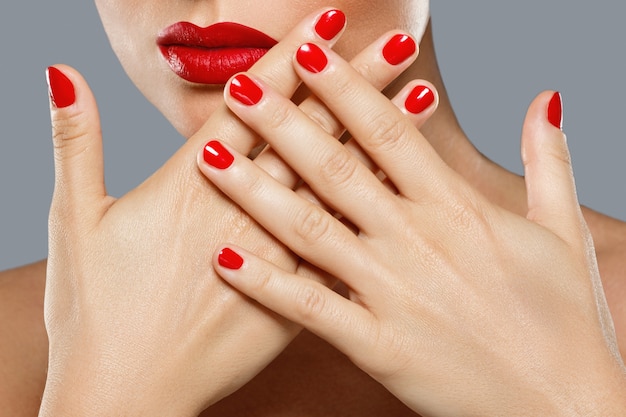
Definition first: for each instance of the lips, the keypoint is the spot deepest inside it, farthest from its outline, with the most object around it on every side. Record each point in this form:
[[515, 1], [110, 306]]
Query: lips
[[213, 54]]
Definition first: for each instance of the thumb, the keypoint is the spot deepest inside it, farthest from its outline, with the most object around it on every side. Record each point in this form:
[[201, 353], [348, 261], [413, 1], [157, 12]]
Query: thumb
[[78, 158], [552, 200]]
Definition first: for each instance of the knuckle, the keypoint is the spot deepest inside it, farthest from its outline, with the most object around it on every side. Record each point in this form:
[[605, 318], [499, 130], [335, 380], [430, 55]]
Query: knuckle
[[311, 224], [371, 73], [279, 116], [251, 183], [338, 168], [560, 154], [429, 251], [342, 86], [262, 281], [66, 129], [309, 302], [240, 224], [324, 119], [387, 133], [466, 215]]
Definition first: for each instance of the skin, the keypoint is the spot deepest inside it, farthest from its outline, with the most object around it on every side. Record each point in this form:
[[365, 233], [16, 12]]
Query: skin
[[440, 295], [307, 358], [133, 26], [140, 231]]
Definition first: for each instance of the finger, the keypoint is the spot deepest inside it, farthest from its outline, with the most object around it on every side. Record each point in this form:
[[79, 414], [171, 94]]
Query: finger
[[551, 191], [306, 302], [276, 69], [417, 100], [378, 72], [322, 162], [381, 129], [303, 226], [76, 133]]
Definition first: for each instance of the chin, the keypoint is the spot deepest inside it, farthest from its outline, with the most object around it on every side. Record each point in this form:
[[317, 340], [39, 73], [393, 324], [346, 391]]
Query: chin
[[189, 112], [187, 126]]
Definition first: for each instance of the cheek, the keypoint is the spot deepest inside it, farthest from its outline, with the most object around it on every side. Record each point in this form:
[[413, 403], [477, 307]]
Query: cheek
[[128, 24]]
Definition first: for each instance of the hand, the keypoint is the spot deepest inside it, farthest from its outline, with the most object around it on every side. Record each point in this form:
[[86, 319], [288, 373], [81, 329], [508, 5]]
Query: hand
[[137, 319], [456, 305]]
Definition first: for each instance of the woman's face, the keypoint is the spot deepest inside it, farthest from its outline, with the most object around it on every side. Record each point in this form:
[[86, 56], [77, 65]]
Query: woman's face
[[171, 77]]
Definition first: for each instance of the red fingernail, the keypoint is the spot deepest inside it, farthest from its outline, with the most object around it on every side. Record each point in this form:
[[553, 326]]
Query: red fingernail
[[228, 258], [399, 49], [216, 155], [330, 24], [312, 58], [244, 90], [60, 88], [419, 99], [555, 111]]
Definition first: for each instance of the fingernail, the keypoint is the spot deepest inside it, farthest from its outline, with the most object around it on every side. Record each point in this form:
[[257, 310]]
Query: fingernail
[[555, 111], [419, 99], [312, 58], [217, 156], [228, 258], [330, 24], [60, 88], [244, 90], [399, 49]]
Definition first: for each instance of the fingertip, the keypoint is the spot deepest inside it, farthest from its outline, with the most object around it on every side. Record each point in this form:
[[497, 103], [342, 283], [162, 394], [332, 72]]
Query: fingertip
[[217, 155], [66, 87], [399, 48], [418, 100], [312, 58], [555, 110], [60, 88], [77, 140], [551, 190], [244, 89], [229, 258], [542, 124], [330, 24], [421, 96], [230, 262]]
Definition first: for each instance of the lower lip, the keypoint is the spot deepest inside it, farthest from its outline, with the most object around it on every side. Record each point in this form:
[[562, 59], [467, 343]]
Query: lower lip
[[210, 65]]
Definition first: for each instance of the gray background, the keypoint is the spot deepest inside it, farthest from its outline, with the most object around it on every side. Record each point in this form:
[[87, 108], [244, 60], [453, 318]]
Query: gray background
[[495, 56]]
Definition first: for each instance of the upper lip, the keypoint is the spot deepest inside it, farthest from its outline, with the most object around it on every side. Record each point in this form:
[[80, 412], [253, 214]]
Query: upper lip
[[218, 35]]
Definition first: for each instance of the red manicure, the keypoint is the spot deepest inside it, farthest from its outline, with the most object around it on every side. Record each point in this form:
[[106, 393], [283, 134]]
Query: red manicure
[[216, 155], [555, 111], [312, 58], [60, 88], [330, 24], [399, 49], [245, 90], [419, 99], [228, 258]]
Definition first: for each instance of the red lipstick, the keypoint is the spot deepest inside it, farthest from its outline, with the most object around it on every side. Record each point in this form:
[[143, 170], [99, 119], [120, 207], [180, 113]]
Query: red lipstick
[[213, 54]]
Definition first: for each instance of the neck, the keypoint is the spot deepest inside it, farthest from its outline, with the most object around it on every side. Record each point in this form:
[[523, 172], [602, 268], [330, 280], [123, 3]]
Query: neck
[[500, 186], [450, 141]]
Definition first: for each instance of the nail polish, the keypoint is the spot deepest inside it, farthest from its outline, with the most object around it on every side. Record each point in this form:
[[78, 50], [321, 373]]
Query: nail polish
[[312, 58], [244, 90], [216, 155], [228, 258], [330, 24], [60, 88], [419, 99], [555, 111], [399, 49]]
